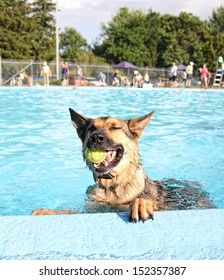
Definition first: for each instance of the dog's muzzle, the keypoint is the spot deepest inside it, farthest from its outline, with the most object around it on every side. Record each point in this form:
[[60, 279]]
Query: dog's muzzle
[[114, 152]]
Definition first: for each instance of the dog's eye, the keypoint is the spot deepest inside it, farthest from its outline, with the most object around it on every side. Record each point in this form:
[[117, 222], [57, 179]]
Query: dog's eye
[[115, 127], [91, 128]]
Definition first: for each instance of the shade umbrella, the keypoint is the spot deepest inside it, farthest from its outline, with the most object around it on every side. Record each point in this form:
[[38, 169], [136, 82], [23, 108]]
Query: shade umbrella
[[125, 65], [181, 67]]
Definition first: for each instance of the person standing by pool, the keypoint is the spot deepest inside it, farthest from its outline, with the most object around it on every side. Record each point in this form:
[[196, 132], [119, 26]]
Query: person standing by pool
[[79, 72], [204, 75], [189, 71], [209, 75], [65, 73], [173, 74], [46, 73], [184, 77]]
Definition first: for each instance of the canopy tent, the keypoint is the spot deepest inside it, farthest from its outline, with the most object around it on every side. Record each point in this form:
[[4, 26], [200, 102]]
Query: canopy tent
[[181, 67], [125, 65]]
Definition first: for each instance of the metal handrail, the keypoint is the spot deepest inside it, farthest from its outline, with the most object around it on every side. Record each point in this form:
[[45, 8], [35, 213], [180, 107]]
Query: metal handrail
[[21, 70]]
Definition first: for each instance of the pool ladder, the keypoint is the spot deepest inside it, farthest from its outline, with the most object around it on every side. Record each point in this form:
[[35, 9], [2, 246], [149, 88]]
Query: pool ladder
[[218, 78]]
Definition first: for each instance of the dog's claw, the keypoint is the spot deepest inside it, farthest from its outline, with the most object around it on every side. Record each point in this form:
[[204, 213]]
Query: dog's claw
[[141, 209]]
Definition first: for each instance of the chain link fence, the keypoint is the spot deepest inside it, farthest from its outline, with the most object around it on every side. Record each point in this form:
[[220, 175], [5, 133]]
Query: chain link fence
[[28, 73]]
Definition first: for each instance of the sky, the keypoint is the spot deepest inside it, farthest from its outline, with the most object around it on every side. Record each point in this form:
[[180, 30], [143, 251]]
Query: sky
[[86, 16]]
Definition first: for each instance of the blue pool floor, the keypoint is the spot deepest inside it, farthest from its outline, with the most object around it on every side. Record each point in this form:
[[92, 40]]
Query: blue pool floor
[[173, 235]]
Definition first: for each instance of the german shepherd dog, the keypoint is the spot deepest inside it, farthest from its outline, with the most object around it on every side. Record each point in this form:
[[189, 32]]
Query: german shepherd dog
[[120, 178]]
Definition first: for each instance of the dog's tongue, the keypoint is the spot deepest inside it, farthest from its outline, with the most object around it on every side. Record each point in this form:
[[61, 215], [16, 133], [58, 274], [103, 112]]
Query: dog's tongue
[[110, 155]]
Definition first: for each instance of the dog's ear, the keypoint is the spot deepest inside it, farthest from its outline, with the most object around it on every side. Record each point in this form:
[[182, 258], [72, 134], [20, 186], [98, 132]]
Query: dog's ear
[[79, 122], [137, 125]]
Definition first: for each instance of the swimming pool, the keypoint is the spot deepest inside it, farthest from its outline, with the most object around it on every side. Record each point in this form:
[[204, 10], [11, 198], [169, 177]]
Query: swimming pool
[[40, 154]]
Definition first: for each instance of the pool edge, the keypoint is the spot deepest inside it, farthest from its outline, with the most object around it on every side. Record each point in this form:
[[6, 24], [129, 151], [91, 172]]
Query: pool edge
[[178, 235]]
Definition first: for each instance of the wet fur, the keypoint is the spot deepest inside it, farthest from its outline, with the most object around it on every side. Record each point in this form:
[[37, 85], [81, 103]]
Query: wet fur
[[126, 185], [129, 184]]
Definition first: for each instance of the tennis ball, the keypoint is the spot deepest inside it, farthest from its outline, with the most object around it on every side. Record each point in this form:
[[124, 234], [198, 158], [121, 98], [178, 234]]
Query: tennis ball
[[95, 156]]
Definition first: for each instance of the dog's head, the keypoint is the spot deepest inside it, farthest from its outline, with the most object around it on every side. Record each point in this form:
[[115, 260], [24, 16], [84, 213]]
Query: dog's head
[[119, 138]]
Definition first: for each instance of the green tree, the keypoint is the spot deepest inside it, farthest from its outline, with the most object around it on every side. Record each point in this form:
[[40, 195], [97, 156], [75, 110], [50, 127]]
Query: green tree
[[15, 29], [216, 21], [216, 29], [27, 29], [44, 35], [72, 44], [153, 30], [184, 38], [123, 38]]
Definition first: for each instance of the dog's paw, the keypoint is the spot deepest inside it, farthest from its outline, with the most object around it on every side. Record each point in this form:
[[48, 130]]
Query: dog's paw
[[47, 211], [141, 209]]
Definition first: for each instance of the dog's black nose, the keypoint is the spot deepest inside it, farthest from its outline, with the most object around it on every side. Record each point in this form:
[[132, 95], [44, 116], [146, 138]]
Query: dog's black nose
[[97, 138]]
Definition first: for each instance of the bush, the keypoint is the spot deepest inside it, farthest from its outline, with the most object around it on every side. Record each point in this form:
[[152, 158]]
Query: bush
[[55, 83]]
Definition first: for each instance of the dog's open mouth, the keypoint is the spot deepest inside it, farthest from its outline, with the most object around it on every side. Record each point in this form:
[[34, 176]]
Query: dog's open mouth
[[113, 157]]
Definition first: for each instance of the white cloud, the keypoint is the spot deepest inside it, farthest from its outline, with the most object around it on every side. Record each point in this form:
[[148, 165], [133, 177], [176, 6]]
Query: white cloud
[[69, 4]]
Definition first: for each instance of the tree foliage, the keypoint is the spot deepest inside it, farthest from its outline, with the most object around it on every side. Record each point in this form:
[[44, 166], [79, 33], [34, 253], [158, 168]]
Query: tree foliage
[[216, 21], [124, 37], [72, 44], [27, 30], [216, 29], [44, 35], [184, 38], [152, 39], [74, 47], [153, 30], [15, 29]]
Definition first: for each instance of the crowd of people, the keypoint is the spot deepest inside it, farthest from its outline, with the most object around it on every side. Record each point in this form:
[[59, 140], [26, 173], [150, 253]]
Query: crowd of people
[[177, 77], [137, 81], [187, 75], [118, 79], [183, 77], [46, 73]]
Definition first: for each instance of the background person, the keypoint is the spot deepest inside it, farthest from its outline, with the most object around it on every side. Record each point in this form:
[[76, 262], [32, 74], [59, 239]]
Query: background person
[[79, 72], [102, 78], [184, 77], [138, 79], [204, 75], [209, 75], [46, 73], [116, 79], [146, 77], [173, 74], [189, 71], [65, 73]]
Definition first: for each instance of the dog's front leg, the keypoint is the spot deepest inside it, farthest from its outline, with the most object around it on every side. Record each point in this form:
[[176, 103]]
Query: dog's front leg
[[141, 209]]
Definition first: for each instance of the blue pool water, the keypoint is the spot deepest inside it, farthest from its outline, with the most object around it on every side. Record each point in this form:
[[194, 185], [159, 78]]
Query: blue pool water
[[40, 154]]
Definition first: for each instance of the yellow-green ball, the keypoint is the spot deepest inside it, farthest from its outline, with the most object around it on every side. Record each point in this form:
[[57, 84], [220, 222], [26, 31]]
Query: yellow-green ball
[[95, 156]]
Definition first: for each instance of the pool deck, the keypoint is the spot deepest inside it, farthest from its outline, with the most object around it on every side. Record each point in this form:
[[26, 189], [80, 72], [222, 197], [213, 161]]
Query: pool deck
[[173, 235], [146, 88]]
